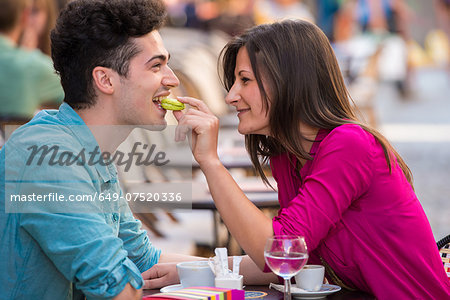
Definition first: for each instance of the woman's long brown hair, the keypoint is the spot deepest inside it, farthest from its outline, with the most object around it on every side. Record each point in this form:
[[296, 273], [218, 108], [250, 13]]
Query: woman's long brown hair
[[306, 86]]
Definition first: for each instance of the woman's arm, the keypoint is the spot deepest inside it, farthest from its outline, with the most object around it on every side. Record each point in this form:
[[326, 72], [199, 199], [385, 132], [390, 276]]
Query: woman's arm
[[248, 225], [252, 273], [165, 272]]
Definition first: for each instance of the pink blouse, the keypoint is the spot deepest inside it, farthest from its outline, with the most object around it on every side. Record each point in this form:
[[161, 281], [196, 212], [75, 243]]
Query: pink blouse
[[366, 223]]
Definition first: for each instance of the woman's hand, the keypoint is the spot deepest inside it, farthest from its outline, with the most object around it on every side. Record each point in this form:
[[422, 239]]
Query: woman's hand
[[205, 128], [160, 275]]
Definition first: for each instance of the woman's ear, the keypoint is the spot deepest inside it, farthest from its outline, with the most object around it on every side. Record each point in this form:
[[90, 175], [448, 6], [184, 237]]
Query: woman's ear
[[103, 79]]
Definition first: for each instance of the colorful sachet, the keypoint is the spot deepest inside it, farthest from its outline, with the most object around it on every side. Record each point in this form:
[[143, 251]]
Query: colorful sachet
[[200, 293]]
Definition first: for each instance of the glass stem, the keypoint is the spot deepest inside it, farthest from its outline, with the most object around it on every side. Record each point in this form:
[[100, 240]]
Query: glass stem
[[287, 289]]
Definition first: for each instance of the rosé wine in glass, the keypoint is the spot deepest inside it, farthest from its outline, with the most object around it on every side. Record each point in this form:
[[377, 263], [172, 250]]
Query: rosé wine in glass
[[286, 255], [286, 264]]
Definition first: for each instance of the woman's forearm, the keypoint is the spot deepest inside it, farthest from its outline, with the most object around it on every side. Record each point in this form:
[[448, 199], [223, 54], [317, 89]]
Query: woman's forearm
[[253, 274], [248, 225]]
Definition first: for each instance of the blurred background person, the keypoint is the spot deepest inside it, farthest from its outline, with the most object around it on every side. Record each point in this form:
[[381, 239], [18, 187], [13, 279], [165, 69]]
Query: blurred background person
[[191, 13], [268, 11], [27, 77], [439, 40], [442, 8], [229, 16], [389, 20], [326, 16], [235, 16], [40, 22]]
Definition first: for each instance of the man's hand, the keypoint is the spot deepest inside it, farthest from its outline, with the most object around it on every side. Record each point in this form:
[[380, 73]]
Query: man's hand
[[160, 275], [129, 293]]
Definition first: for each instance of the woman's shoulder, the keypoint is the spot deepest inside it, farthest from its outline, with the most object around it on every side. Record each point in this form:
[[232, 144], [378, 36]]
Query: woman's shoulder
[[351, 138], [352, 133]]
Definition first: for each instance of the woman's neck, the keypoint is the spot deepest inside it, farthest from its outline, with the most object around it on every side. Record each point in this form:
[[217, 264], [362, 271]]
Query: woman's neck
[[309, 133]]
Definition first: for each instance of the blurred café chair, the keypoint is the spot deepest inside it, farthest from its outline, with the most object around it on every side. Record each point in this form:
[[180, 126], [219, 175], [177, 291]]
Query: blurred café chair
[[194, 57], [444, 250], [358, 60], [8, 125], [136, 177]]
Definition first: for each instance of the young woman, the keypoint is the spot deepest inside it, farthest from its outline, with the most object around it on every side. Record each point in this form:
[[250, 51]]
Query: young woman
[[341, 185]]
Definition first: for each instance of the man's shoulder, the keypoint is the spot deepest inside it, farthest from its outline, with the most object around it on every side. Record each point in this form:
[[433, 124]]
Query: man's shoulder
[[42, 135], [39, 134]]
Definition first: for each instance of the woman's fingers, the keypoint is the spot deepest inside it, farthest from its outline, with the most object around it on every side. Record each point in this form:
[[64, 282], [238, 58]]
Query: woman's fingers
[[187, 121], [199, 124], [178, 114], [198, 104], [181, 131]]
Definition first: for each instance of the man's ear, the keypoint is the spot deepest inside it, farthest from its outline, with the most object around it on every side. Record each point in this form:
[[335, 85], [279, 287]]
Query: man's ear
[[104, 79]]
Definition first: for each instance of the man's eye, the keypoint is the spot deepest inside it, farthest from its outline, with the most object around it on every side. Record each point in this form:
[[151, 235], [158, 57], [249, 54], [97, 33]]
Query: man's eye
[[158, 65]]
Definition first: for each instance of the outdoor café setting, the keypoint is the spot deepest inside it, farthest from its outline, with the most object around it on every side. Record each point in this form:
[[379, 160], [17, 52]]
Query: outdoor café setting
[[224, 149]]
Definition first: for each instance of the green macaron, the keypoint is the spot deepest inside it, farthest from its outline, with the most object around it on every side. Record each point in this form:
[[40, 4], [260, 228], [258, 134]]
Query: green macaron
[[171, 104]]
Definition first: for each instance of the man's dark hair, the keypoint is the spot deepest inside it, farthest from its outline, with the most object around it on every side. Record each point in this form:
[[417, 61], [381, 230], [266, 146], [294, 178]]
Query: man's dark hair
[[91, 33]]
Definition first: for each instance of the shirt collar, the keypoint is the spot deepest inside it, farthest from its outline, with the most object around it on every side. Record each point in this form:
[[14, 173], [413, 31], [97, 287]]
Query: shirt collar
[[82, 132]]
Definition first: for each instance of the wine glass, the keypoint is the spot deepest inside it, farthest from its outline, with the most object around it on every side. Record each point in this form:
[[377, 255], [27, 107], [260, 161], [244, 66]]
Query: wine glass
[[286, 255]]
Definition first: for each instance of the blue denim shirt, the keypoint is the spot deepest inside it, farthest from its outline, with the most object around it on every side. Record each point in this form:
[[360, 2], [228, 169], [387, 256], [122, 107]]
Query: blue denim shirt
[[44, 254]]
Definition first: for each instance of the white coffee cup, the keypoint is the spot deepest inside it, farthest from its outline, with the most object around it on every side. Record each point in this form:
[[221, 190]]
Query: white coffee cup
[[310, 278], [195, 273]]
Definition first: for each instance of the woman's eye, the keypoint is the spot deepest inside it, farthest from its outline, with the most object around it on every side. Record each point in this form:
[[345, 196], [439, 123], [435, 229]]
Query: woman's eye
[[244, 79]]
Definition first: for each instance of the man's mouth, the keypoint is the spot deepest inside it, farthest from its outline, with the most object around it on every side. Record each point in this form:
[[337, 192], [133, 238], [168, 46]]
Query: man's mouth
[[157, 101]]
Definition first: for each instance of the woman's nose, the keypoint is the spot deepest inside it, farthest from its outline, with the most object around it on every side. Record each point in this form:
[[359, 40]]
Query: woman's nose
[[232, 96]]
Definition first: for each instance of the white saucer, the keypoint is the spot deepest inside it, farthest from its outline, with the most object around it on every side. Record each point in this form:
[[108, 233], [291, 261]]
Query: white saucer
[[297, 293], [171, 288]]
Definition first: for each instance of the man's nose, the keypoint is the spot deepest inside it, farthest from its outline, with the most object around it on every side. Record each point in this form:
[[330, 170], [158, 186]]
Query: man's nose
[[170, 79]]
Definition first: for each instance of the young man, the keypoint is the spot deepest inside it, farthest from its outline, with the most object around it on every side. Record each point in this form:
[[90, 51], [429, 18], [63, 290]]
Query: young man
[[112, 65], [113, 68]]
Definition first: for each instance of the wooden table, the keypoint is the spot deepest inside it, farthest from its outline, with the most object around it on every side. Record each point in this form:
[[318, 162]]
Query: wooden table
[[275, 295]]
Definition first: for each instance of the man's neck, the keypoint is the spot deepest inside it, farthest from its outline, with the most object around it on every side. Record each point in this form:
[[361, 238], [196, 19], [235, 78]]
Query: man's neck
[[108, 133]]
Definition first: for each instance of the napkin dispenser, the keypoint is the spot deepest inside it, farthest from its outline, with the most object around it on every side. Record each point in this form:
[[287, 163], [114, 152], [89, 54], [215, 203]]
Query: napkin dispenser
[[224, 278], [230, 282]]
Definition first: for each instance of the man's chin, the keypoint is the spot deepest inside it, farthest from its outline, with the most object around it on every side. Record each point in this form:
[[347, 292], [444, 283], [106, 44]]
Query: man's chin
[[154, 127], [159, 127]]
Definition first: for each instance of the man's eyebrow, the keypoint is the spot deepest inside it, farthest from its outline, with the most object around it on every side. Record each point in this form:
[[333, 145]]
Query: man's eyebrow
[[159, 56]]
